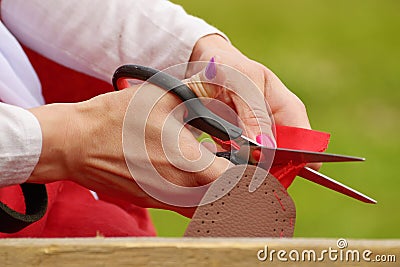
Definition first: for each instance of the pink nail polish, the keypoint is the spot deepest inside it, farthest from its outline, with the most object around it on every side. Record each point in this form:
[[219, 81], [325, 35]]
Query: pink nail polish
[[211, 69], [266, 140]]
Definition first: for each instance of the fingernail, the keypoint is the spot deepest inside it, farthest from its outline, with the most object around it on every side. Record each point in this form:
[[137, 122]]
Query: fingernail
[[266, 140], [211, 70]]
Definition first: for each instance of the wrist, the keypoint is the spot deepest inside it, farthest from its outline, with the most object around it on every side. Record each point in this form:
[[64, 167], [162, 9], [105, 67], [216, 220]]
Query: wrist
[[57, 125]]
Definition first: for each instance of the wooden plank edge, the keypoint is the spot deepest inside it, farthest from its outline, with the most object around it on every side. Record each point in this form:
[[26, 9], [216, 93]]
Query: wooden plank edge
[[179, 251]]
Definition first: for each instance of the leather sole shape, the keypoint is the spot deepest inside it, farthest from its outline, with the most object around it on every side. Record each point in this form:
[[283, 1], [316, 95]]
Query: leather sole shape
[[268, 211]]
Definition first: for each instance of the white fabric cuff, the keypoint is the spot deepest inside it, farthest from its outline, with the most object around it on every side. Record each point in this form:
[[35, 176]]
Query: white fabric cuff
[[20, 146]]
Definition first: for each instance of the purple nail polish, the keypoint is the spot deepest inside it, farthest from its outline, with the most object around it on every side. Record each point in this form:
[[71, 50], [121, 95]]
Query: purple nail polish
[[266, 140], [211, 69]]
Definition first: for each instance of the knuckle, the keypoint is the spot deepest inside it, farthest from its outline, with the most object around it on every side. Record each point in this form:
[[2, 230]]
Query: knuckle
[[300, 104]]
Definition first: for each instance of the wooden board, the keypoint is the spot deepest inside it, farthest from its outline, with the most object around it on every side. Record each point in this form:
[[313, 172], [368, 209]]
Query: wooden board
[[191, 252]]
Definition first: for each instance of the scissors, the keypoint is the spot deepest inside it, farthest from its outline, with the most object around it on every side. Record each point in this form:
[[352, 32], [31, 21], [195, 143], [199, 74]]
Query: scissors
[[225, 132]]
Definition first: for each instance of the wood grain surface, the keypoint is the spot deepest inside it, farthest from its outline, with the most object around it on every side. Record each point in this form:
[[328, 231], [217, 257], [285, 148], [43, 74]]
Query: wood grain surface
[[187, 252]]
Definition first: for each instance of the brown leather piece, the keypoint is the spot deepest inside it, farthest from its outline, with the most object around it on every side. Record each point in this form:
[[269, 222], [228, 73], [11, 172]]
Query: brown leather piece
[[269, 211]]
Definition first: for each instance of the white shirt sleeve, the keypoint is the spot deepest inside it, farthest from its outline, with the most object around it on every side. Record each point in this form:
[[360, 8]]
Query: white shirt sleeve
[[20, 146], [97, 36]]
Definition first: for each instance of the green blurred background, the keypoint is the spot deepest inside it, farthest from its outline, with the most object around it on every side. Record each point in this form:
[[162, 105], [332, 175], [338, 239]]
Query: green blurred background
[[342, 59]]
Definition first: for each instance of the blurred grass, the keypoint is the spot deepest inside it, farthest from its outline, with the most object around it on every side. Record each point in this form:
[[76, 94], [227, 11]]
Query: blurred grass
[[342, 59]]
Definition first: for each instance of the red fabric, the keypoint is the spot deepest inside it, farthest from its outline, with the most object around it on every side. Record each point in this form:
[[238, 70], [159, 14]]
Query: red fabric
[[72, 210], [61, 84]]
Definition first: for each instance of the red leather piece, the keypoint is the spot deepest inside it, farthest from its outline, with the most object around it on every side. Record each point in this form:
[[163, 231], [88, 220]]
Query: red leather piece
[[297, 138]]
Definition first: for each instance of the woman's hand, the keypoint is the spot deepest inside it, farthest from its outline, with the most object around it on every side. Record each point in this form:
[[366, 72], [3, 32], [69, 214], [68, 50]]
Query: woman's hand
[[83, 142], [286, 108]]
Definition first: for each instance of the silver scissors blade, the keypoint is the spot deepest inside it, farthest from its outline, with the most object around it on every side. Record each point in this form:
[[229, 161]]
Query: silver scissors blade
[[285, 155], [321, 179]]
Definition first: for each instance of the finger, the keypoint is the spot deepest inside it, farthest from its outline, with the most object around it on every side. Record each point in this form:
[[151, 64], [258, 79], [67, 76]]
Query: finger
[[287, 108], [205, 83], [236, 90], [254, 119], [248, 101]]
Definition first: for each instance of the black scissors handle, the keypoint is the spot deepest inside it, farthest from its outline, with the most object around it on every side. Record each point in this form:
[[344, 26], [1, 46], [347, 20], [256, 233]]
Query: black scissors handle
[[198, 116]]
